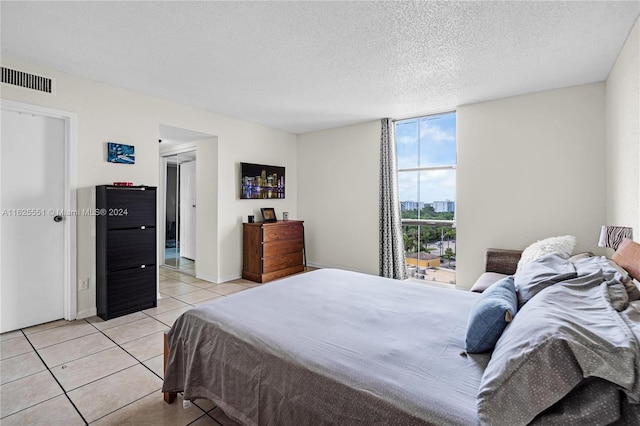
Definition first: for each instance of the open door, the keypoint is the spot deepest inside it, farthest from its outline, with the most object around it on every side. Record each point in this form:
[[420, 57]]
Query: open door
[[188, 210]]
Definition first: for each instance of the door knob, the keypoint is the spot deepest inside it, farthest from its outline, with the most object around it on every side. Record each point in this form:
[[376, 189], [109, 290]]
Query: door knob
[[57, 218]]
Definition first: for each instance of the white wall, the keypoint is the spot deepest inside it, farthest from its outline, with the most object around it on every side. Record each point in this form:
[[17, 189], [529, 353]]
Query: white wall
[[338, 181], [277, 149], [529, 167], [106, 113], [623, 137]]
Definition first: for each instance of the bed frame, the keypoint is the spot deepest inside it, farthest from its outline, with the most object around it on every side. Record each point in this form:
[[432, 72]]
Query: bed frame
[[169, 397]]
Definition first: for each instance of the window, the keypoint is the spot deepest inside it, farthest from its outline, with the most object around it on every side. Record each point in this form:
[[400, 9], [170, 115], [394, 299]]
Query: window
[[426, 149]]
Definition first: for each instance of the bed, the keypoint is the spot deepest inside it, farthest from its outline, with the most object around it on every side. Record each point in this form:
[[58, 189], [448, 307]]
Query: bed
[[344, 348]]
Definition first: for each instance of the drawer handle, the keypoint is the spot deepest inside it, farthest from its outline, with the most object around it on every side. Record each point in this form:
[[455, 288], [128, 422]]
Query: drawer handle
[[143, 227], [143, 266]]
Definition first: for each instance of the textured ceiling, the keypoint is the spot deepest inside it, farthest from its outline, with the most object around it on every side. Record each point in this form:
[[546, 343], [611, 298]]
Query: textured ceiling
[[303, 66]]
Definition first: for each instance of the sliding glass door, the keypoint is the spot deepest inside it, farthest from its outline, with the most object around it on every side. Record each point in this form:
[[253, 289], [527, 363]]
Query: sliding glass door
[[180, 207]]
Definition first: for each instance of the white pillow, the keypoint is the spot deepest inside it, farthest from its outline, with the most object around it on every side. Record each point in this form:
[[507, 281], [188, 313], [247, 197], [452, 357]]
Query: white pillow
[[563, 245]]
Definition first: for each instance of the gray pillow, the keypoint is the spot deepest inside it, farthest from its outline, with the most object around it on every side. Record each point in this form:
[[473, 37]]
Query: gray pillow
[[541, 273], [486, 280], [551, 347]]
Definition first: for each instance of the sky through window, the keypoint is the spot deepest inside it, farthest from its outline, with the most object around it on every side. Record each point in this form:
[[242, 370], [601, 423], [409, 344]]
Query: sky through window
[[422, 143]]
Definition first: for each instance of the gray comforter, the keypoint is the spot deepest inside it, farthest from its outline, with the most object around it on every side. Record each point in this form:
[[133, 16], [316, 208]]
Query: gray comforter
[[342, 348], [330, 347], [568, 357]]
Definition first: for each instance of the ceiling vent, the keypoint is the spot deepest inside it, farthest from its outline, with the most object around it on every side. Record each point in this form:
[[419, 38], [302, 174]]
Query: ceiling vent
[[26, 80]]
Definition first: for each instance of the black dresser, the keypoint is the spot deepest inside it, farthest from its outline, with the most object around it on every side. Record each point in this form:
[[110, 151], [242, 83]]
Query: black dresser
[[125, 249]]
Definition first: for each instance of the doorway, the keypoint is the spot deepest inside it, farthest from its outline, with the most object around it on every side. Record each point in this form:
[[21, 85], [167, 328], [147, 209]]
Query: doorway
[[38, 223], [180, 211]]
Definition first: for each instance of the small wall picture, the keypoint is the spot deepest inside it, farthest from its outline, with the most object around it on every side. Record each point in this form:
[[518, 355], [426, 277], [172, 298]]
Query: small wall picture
[[269, 214], [120, 153]]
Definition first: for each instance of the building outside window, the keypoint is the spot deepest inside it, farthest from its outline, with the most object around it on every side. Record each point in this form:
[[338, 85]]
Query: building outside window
[[426, 148]]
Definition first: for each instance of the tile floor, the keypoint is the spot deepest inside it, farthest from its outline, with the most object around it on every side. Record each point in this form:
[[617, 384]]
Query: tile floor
[[174, 261], [99, 372]]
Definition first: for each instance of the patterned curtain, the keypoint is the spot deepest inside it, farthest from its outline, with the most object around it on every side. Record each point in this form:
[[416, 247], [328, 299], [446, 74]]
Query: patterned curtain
[[392, 262]]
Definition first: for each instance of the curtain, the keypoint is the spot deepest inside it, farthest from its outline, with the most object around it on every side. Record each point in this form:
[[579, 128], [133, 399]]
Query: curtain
[[392, 261]]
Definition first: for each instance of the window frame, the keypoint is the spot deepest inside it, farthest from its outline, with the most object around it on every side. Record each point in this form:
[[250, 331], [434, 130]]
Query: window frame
[[430, 223]]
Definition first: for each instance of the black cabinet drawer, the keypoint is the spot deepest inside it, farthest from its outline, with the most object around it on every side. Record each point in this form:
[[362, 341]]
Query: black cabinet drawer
[[125, 240], [130, 248], [130, 291], [130, 207]]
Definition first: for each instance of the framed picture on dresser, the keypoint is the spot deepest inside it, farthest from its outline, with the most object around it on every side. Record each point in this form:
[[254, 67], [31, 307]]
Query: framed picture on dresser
[[268, 214]]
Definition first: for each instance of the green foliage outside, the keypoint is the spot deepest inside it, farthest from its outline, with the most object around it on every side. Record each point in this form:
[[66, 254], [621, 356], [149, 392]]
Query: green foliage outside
[[426, 212], [449, 254], [416, 237]]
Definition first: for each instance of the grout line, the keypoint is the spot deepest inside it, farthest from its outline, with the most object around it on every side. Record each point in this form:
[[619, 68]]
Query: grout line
[[74, 359], [119, 346], [206, 415], [132, 355], [65, 392], [126, 405], [43, 330], [57, 381], [137, 362]]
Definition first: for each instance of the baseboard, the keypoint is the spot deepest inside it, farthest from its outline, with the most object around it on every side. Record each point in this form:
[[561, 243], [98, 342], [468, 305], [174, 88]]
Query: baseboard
[[230, 278], [87, 313], [215, 280]]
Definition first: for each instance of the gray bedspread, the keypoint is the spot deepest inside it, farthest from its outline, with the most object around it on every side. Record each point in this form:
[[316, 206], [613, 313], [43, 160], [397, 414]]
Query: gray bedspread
[[568, 357], [330, 347]]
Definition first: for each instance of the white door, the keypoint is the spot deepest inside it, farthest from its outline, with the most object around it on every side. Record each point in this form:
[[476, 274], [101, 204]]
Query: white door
[[188, 210], [32, 252]]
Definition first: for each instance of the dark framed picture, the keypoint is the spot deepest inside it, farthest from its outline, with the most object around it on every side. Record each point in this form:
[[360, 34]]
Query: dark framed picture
[[268, 214], [120, 153], [261, 181]]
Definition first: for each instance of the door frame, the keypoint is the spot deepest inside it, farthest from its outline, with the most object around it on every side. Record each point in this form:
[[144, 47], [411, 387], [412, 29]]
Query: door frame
[[185, 219], [70, 199], [179, 149]]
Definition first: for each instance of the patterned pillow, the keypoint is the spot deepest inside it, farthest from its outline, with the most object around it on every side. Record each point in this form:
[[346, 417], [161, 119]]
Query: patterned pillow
[[490, 315], [563, 245]]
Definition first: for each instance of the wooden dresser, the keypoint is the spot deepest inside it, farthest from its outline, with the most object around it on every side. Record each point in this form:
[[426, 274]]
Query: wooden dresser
[[272, 250]]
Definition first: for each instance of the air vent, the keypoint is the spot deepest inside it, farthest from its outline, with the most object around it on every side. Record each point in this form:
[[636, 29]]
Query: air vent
[[29, 81]]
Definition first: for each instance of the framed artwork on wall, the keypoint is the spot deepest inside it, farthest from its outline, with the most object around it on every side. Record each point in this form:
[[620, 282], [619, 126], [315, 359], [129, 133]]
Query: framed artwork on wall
[[121, 153], [261, 181]]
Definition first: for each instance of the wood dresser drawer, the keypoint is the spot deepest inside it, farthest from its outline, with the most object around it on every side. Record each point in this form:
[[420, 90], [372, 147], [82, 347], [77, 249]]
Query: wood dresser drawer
[[283, 261], [283, 232], [275, 248], [272, 250]]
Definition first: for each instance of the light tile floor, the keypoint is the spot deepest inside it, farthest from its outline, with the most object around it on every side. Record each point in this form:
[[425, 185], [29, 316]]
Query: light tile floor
[[176, 262], [99, 372]]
